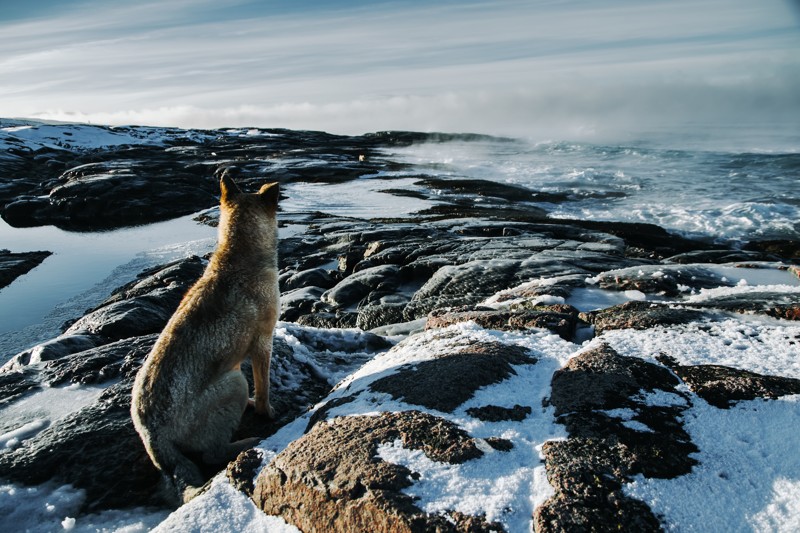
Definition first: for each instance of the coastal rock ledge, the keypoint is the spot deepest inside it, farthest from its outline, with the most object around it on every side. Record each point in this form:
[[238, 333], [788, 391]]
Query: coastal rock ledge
[[472, 367]]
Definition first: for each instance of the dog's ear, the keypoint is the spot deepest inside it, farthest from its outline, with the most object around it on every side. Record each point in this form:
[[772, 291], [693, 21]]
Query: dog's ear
[[228, 188], [269, 193]]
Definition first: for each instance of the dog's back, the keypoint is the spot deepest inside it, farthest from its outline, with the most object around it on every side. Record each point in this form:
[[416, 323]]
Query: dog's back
[[189, 395]]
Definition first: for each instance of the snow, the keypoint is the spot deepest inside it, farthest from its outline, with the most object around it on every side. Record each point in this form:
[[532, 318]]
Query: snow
[[33, 135], [506, 486], [222, 509], [748, 476], [766, 347], [25, 418], [48, 508]]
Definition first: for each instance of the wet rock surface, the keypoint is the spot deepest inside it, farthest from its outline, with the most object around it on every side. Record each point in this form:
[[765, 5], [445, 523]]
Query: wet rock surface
[[14, 265]]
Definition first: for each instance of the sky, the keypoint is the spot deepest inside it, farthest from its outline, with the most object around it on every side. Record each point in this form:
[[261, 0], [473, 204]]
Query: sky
[[533, 68]]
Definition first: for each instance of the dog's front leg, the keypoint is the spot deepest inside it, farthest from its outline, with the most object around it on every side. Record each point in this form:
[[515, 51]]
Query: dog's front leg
[[261, 354]]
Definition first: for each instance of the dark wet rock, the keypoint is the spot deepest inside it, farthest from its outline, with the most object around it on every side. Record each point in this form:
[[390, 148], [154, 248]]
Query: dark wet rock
[[331, 480], [337, 341], [299, 302], [14, 265], [641, 315], [98, 365], [313, 277], [125, 319], [357, 286], [449, 380], [776, 304], [604, 450], [17, 383], [495, 413], [723, 386], [474, 281], [57, 348], [116, 186], [664, 280], [559, 318], [95, 449], [646, 241], [383, 309], [785, 249], [487, 188], [338, 319]]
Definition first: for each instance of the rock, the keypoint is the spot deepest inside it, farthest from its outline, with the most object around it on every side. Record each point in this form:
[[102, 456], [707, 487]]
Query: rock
[[777, 304], [665, 280], [784, 249], [449, 380], [357, 286], [16, 383], [14, 265], [331, 480], [95, 449], [640, 315], [604, 450], [723, 386], [473, 282], [313, 277], [495, 413], [57, 348], [338, 319], [560, 319], [720, 256]]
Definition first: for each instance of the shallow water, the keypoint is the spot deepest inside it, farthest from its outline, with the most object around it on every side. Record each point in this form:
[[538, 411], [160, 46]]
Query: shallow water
[[82, 271]]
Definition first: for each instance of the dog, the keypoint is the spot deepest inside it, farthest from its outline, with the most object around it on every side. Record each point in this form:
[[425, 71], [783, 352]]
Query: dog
[[189, 396]]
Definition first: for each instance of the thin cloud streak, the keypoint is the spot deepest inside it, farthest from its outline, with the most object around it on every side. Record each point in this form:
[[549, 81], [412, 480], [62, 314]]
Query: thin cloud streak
[[501, 67]]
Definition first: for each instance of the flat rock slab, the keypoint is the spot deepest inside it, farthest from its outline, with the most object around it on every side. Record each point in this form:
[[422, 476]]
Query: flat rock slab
[[451, 379], [14, 265], [560, 319], [331, 480], [665, 280]]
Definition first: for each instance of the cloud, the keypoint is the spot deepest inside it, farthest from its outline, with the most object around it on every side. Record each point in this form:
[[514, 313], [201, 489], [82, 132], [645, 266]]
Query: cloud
[[501, 67]]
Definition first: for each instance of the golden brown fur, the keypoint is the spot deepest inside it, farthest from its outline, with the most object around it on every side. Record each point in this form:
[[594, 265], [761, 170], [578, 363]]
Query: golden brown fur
[[189, 395]]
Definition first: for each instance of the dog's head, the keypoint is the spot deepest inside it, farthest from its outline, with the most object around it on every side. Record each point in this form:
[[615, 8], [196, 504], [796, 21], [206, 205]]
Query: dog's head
[[233, 198]]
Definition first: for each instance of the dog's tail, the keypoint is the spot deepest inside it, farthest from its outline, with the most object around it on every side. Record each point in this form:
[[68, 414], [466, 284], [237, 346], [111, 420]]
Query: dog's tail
[[182, 473]]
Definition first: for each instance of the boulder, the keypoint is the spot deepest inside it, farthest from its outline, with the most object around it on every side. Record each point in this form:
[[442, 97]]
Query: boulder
[[641, 315], [331, 480], [560, 319]]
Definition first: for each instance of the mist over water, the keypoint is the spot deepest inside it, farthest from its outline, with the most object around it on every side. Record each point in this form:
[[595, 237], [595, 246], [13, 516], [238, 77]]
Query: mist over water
[[711, 193]]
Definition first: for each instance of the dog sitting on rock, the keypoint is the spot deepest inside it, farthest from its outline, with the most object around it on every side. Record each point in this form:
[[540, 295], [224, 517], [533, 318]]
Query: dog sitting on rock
[[189, 395]]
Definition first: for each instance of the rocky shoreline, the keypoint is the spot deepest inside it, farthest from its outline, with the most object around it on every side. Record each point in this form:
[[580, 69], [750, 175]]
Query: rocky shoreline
[[395, 332]]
